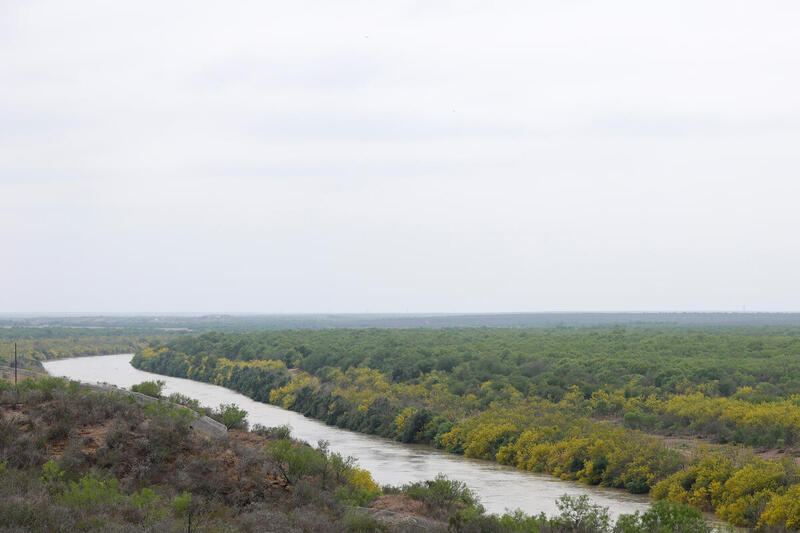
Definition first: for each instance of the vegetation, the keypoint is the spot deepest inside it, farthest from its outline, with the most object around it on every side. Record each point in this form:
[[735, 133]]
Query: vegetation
[[37, 344], [149, 388], [231, 416], [74, 459], [587, 404]]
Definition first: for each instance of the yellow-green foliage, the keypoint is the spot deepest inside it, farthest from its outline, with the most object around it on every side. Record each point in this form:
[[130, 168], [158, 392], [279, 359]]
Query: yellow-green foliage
[[432, 392], [225, 368], [360, 386], [605, 402], [401, 421], [755, 418], [540, 437], [361, 479], [743, 417], [783, 510], [149, 353], [285, 396], [745, 491]]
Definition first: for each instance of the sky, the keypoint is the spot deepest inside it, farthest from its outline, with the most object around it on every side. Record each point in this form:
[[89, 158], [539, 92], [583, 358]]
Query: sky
[[286, 157]]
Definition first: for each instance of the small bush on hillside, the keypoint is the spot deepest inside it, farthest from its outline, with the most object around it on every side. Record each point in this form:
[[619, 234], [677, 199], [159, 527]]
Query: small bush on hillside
[[73, 459], [441, 496], [582, 516], [149, 388], [92, 492], [231, 416], [42, 389], [355, 497], [275, 432], [361, 522], [25, 451], [191, 403], [58, 431], [167, 411], [165, 434], [293, 462]]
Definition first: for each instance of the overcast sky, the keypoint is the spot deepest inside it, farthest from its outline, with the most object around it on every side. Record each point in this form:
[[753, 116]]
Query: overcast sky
[[428, 156]]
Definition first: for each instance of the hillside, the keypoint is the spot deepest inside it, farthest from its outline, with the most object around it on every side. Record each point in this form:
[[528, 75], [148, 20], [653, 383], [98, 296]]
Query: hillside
[[74, 458]]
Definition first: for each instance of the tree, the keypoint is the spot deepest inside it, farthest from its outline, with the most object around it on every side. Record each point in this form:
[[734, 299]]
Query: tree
[[231, 416], [293, 462], [183, 506]]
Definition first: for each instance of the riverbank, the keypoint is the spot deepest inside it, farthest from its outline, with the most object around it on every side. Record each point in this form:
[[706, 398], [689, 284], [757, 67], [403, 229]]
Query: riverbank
[[498, 487]]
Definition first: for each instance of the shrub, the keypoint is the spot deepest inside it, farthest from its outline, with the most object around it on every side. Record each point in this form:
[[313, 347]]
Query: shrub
[[637, 484], [664, 517], [276, 432], [637, 419], [46, 387], [254, 518], [164, 411], [582, 516], [353, 497], [52, 473], [9, 432], [25, 451], [73, 459], [182, 399], [361, 522], [59, 430], [91, 491], [783, 510], [471, 520], [149, 388], [166, 433], [231, 416], [441, 495], [19, 516], [293, 462], [147, 506]]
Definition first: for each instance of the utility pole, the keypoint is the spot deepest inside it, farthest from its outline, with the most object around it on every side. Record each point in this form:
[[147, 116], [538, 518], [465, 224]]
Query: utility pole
[[16, 388]]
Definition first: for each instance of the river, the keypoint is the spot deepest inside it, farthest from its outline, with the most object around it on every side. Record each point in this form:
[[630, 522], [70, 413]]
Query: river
[[498, 487]]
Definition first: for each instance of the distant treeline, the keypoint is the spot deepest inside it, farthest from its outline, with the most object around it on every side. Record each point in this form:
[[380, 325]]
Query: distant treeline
[[252, 323], [545, 363], [36, 344]]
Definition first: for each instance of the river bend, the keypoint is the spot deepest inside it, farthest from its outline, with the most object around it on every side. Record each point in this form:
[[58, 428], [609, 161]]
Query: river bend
[[498, 487]]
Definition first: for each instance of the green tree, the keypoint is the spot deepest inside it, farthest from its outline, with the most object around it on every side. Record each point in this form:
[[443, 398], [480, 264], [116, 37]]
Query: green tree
[[150, 388], [184, 507], [293, 462], [232, 416]]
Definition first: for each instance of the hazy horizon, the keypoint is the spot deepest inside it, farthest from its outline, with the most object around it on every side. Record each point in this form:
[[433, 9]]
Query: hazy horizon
[[244, 314], [345, 157], [407, 312]]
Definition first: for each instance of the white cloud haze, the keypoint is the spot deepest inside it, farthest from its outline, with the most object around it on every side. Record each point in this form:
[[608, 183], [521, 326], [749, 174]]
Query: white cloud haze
[[399, 156]]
